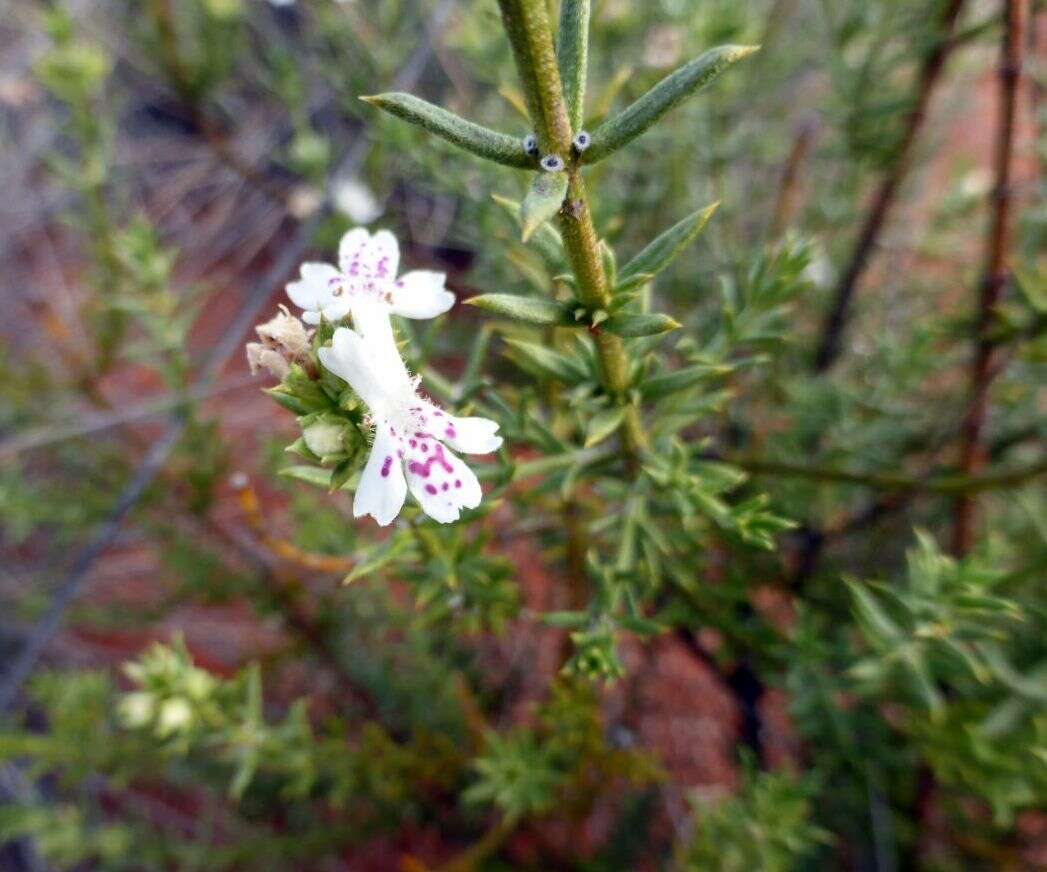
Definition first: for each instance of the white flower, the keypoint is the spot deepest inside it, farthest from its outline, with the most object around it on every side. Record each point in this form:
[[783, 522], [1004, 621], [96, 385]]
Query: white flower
[[355, 200], [365, 284], [412, 436]]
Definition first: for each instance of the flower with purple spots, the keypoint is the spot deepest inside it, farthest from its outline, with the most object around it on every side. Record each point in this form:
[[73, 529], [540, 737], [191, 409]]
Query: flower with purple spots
[[365, 285], [413, 437]]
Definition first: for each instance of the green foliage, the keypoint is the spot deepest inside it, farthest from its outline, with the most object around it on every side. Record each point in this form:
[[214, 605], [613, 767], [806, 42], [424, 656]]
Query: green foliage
[[766, 825], [488, 144], [517, 775], [661, 251], [542, 202], [534, 310], [938, 643], [675, 479], [572, 49], [621, 129]]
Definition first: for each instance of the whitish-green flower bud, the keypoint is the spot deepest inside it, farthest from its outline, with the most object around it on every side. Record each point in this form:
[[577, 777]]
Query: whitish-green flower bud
[[324, 437], [137, 709], [198, 684], [175, 715]]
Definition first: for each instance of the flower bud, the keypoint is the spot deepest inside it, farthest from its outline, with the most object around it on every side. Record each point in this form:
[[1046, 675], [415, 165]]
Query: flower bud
[[262, 357], [285, 330], [137, 709], [324, 437], [284, 339], [175, 715]]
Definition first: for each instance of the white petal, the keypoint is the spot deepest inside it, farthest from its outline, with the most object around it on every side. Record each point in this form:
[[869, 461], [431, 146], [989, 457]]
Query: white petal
[[351, 247], [386, 251], [370, 317], [382, 489], [421, 294], [371, 320], [442, 483], [366, 256], [349, 358], [314, 289], [471, 435]]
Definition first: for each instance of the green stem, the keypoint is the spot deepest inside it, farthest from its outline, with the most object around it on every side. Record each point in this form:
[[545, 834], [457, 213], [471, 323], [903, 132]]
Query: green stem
[[530, 34]]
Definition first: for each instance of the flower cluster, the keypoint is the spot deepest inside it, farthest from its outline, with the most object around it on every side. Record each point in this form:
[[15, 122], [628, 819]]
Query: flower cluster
[[413, 437]]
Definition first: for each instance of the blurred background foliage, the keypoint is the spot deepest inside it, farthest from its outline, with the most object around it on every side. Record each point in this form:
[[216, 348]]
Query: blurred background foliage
[[874, 691]]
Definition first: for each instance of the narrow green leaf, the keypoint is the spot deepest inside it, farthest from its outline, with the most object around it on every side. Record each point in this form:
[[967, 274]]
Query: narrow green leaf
[[310, 474], [488, 144], [921, 680], [626, 285], [572, 46], [377, 558], [566, 620], [533, 309], [570, 479], [1033, 288], [546, 239], [342, 473], [876, 623], [288, 401], [680, 380], [544, 361], [661, 251], [1033, 688], [673, 89], [543, 200], [640, 626], [603, 424], [640, 325]]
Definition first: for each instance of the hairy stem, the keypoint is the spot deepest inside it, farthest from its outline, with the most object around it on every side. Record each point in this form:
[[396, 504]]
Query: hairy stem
[[530, 34]]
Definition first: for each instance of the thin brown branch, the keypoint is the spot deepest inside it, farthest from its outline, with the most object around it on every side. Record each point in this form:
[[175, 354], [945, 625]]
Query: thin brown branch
[[788, 189], [250, 506], [831, 337], [995, 276]]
